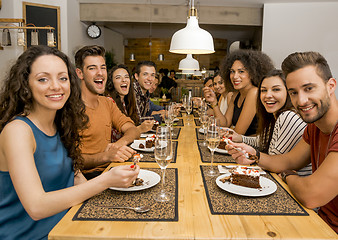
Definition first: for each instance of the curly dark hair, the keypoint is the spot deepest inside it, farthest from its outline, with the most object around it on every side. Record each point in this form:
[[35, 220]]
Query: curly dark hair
[[129, 99], [255, 62], [266, 121], [16, 99]]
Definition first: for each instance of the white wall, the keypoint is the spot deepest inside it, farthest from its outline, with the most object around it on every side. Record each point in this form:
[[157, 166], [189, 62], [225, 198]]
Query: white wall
[[292, 27], [13, 9]]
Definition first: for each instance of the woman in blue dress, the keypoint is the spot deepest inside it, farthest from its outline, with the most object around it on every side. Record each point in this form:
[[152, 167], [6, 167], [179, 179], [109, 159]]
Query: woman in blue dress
[[41, 114]]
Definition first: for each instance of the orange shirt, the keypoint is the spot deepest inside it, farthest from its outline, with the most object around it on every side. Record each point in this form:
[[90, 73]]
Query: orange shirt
[[101, 120]]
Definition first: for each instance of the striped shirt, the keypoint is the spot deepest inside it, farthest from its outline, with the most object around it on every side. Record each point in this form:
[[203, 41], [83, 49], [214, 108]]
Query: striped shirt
[[288, 131]]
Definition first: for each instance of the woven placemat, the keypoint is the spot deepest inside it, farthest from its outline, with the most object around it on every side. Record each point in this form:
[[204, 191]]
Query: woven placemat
[[197, 122], [150, 157], [92, 209], [176, 132], [222, 202], [199, 136], [218, 157]]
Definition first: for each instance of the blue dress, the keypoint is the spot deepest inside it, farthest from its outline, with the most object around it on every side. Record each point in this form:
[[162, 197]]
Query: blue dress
[[56, 172]]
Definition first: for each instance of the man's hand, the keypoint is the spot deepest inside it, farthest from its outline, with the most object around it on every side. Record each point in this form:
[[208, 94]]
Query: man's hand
[[238, 150], [115, 153]]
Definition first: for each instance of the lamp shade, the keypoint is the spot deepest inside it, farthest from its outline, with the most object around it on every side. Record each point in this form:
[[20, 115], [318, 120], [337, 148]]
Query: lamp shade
[[192, 39], [189, 63], [188, 72], [197, 73], [132, 57]]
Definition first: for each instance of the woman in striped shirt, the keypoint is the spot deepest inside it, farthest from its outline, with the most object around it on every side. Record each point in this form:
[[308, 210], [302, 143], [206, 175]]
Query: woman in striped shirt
[[280, 128]]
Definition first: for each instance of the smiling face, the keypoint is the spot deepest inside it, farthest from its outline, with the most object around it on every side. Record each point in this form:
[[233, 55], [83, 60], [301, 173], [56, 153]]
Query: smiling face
[[94, 74], [239, 76], [121, 80], [49, 83], [146, 77], [219, 85], [308, 93], [273, 94]]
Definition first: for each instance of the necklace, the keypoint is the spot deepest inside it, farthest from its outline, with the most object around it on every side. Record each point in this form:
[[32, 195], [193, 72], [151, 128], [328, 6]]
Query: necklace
[[327, 147]]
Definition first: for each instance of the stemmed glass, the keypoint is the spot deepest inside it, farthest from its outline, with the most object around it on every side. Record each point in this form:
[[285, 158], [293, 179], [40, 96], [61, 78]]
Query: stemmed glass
[[163, 156], [213, 138], [188, 108], [204, 121], [169, 116]]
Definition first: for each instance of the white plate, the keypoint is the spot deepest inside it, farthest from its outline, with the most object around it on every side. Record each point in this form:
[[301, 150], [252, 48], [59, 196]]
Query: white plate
[[150, 179], [219, 150], [135, 145], [176, 120], [201, 130], [145, 135], [268, 187]]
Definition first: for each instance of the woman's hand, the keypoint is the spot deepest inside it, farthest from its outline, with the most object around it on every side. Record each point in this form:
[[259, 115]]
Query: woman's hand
[[210, 95], [231, 134], [238, 152], [122, 176]]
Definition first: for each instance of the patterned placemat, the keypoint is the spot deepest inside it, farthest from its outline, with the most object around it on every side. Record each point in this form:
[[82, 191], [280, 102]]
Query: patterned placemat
[[222, 202], [199, 136], [150, 157], [197, 122], [92, 209], [176, 132], [218, 157]]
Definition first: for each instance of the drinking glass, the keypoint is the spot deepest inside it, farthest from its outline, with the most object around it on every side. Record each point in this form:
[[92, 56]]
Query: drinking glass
[[169, 116], [204, 122], [163, 156], [188, 108], [213, 138]]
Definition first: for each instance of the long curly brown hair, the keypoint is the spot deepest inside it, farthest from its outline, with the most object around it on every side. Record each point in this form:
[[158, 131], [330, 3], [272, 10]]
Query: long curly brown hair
[[129, 99], [16, 99]]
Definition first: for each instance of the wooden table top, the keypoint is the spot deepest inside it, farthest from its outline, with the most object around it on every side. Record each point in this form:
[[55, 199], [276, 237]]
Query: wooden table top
[[195, 219]]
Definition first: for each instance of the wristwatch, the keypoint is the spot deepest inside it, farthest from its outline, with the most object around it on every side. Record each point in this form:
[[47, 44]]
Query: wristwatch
[[214, 105], [286, 173]]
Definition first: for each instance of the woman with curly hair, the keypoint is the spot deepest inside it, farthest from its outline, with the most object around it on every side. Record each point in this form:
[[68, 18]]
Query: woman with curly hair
[[242, 70], [41, 114], [118, 88]]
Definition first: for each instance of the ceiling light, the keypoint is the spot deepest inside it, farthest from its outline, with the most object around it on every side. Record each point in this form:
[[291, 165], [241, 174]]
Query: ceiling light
[[197, 73], [192, 39], [189, 63], [6, 38], [160, 57], [34, 38], [188, 72], [204, 70], [132, 57]]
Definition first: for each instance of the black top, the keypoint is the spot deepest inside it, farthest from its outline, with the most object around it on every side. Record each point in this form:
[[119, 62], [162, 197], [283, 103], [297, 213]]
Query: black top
[[237, 112]]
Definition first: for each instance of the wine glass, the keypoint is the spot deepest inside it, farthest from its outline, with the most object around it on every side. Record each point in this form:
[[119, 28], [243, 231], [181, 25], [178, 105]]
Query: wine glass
[[188, 108], [163, 156], [204, 122], [213, 138], [169, 116]]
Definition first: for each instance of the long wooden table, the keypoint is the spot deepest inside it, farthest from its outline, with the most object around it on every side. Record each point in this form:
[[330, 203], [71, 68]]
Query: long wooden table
[[195, 219]]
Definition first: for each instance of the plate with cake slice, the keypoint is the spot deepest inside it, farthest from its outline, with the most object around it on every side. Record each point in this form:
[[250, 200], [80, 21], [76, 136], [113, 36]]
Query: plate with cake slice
[[145, 179], [246, 182], [145, 145]]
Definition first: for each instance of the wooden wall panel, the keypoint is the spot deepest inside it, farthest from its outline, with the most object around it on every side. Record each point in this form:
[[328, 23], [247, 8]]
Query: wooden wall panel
[[140, 48]]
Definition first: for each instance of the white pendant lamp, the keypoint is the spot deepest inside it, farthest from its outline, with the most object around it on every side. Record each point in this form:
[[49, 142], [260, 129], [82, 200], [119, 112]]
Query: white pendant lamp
[[192, 39], [189, 63], [188, 72], [197, 73]]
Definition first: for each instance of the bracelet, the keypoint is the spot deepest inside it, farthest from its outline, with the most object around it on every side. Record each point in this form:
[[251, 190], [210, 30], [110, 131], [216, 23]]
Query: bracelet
[[286, 173]]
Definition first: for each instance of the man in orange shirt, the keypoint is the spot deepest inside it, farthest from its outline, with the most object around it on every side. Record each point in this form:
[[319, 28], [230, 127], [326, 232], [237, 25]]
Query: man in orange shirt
[[103, 113]]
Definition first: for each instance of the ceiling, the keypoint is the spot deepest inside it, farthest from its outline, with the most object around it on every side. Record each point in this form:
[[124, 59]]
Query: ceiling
[[166, 30]]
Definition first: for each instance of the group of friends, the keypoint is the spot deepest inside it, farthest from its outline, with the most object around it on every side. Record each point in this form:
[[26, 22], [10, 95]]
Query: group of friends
[[61, 125]]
